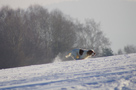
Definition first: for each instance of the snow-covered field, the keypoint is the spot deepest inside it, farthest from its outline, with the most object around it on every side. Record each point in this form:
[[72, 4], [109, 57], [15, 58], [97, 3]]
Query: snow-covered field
[[106, 73]]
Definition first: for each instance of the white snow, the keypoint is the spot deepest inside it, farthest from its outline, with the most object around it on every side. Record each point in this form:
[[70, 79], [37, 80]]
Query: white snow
[[105, 73]]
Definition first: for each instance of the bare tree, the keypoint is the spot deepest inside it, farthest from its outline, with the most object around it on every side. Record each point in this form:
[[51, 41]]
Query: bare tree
[[63, 35], [120, 52], [11, 36], [90, 36]]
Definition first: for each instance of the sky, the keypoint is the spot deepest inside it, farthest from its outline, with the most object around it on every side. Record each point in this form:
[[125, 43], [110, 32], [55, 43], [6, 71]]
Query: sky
[[117, 18]]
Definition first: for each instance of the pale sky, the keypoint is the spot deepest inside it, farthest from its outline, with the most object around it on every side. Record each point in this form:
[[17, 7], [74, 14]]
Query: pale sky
[[117, 17]]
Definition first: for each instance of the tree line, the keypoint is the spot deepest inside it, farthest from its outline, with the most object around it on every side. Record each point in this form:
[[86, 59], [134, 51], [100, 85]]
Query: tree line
[[36, 36], [127, 49]]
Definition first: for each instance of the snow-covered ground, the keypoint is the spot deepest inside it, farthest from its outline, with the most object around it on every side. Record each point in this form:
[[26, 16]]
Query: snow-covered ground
[[106, 73]]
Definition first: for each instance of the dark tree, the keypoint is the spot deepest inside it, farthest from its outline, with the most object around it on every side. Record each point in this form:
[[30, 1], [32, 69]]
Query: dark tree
[[107, 52]]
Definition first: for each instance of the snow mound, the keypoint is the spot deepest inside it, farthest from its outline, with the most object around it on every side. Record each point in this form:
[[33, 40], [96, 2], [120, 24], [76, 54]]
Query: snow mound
[[105, 73]]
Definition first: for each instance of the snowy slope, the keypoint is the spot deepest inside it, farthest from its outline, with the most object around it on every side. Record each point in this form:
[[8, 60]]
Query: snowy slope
[[106, 73]]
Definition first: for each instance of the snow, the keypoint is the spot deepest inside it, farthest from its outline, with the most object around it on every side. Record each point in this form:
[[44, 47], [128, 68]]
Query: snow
[[105, 73]]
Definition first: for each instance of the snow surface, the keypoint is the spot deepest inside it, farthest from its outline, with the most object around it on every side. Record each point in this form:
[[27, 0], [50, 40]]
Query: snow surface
[[105, 73]]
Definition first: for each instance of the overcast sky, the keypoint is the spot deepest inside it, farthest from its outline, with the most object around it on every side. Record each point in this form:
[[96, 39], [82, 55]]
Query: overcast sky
[[117, 17]]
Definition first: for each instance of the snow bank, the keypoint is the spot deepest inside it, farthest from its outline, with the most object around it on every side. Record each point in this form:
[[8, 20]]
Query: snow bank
[[106, 73]]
